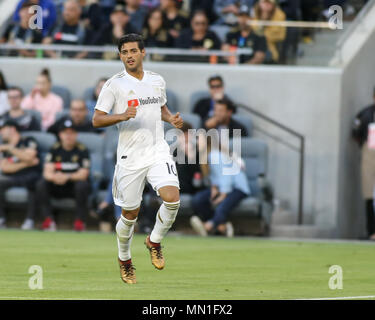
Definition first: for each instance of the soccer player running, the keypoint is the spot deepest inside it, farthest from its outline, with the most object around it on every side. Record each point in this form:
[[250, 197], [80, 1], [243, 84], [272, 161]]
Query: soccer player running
[[137, 99]]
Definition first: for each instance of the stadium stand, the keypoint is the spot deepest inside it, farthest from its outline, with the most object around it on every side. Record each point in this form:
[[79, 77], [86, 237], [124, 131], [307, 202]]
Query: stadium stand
[[254, 150], [246, 121]]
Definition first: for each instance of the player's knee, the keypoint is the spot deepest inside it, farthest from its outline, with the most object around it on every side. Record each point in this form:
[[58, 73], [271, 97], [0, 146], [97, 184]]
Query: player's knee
[[172, 196], [130, 214]]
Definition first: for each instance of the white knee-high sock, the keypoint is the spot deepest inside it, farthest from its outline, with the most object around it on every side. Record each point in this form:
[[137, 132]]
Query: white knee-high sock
[[164, 220], [124, 230]]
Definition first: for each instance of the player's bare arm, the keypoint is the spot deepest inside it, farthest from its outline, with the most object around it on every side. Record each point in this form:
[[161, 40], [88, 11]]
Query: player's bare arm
[[175, 120], [103, 119]]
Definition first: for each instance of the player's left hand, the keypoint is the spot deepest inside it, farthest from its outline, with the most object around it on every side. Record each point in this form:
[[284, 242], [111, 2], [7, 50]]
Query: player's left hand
[[176, 120]]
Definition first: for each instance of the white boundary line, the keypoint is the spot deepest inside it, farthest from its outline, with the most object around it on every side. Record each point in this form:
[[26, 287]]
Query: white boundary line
[[341, 298]]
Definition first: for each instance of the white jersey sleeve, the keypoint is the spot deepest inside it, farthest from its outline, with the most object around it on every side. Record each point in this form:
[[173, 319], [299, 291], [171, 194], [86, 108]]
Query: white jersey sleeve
[[106, 99], [163, 92]]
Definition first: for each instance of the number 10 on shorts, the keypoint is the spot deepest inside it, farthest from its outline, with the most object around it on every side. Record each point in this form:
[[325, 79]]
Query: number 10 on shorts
[[171, 168]]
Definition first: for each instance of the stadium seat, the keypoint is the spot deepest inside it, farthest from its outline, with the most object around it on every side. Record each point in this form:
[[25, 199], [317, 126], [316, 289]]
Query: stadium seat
[[172, 101], [88, 93], [196, 96], [110, 147], [95, 144], [35, 113], [254, 152], [246, 121], [64, 93]]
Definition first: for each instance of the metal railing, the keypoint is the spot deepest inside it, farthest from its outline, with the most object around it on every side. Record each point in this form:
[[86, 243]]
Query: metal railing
[[301, 152], [112, 49]]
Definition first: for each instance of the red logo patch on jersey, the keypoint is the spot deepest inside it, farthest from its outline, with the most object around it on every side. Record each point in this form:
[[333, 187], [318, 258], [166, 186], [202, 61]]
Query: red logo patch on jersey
[[58, 36], [133, 103], [58, 165]]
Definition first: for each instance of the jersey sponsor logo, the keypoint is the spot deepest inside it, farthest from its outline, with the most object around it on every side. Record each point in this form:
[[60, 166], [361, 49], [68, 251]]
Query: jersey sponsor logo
[[66, 166], [149, 100], [59, 36]]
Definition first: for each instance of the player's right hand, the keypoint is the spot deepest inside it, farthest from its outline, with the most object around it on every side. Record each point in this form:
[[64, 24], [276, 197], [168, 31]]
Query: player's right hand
[[131, 112]]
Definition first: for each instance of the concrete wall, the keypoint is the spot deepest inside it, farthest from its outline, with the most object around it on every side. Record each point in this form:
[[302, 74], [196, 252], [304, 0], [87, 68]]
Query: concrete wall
[[305, 99], [357, 91]]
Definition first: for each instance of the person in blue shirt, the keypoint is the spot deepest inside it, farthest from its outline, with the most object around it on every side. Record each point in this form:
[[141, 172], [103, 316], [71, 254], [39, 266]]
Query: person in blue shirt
[[229, 185], [48, 10]]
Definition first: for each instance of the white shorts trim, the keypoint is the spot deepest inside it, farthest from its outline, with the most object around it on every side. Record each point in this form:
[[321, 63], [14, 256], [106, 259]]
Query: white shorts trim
[[165, 184]]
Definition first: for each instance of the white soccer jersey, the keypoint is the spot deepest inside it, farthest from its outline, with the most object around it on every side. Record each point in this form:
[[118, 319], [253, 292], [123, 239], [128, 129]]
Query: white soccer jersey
[[141, 139]]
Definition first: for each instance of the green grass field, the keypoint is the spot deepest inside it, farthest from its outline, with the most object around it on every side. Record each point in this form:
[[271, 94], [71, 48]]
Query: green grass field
[[84, 266]]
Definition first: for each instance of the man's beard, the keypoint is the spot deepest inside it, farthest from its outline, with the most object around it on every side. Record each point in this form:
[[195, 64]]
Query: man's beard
[[133, 68]]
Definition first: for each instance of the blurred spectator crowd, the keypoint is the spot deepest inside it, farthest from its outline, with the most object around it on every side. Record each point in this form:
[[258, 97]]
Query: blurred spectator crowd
[[194, 24]]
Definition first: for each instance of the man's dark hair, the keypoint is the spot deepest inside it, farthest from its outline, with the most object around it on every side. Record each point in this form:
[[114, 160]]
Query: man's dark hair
[[215, 78], [17, 89], [228, 103], [131, 37]]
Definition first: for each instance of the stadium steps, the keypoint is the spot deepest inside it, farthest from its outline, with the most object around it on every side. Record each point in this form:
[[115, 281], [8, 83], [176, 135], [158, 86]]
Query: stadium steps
[[284, 225], [303, 231], [284, 217], [321, 51]]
